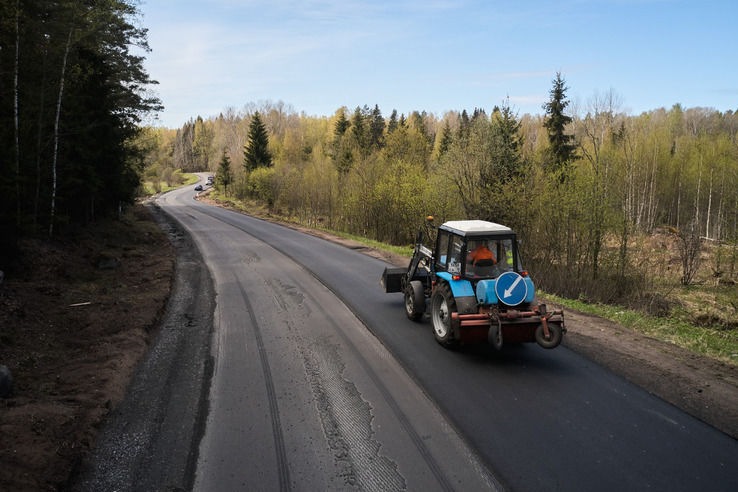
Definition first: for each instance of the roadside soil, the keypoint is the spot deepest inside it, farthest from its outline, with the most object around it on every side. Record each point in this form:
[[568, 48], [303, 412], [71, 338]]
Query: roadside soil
[[77, 315]]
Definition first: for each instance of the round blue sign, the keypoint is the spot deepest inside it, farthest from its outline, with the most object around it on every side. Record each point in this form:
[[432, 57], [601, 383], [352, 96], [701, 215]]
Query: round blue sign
[[511, 289]]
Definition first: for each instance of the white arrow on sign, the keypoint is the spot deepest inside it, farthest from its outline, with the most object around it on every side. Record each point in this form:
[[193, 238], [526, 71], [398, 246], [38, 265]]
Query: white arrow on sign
[[508, 292]]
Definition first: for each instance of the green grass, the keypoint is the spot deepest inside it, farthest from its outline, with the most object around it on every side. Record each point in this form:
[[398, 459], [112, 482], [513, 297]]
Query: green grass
[[148, 186], [258, 210], [678, 328], [715, 343], [398, 250]]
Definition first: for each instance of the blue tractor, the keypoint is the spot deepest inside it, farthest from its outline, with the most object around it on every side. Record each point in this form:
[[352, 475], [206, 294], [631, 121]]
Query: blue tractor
[[478, 289]]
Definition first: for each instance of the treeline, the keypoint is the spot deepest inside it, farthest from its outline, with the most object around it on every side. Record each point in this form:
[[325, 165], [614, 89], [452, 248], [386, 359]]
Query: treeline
[[579, 187], [72, 95]]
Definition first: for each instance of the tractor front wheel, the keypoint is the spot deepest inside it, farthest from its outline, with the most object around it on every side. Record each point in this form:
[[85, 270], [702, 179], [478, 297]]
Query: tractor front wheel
[[414, 300], [443, 305]]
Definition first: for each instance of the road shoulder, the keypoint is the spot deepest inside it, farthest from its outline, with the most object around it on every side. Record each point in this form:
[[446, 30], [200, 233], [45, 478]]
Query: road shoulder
[[150, 441]]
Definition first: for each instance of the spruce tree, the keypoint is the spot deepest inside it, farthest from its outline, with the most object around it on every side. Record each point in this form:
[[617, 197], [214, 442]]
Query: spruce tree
[[341, 147], [225, 175], [359, 130], [562, 149], [376, 128], [256, 153], [506, 159], [392, 125], [464, 124], [446, 137], [342, 124]]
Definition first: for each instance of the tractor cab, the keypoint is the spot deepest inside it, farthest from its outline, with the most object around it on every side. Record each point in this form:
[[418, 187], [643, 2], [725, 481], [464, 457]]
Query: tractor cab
[[475, 249]]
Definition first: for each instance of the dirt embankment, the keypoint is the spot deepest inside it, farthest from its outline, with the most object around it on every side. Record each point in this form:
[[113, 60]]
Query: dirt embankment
[[75, 318]]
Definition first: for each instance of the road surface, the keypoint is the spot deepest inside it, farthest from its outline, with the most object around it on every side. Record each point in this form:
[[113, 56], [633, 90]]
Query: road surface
[[320, 382], [303, 396]]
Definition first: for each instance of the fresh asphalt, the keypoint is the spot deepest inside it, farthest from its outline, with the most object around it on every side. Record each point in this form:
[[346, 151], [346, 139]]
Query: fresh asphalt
[[528, 418]]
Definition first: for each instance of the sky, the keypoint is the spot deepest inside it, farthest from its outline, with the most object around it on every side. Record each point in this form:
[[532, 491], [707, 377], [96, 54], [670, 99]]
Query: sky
[[438, 55]]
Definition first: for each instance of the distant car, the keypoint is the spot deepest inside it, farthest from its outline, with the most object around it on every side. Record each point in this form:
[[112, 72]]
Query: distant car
[[198, 188]]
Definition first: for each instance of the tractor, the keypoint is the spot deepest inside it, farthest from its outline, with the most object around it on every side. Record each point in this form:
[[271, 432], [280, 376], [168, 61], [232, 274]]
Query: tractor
[[478, 289]]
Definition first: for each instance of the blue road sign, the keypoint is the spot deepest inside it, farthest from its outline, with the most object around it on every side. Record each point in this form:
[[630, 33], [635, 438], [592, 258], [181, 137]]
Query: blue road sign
[[511, 288]]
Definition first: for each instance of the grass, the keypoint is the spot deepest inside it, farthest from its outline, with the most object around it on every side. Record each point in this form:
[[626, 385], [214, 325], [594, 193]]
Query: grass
[[721, 344], [399, 250], [698, 324], [148, 186], [258, 210]]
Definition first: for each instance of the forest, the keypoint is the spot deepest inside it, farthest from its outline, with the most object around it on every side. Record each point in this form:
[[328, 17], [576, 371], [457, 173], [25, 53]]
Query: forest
[[583, 187], [73, 92], [596, 195]]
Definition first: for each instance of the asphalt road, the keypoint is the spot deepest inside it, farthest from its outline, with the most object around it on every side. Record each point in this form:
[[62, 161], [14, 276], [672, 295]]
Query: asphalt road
[[303, 396], [321, 383]]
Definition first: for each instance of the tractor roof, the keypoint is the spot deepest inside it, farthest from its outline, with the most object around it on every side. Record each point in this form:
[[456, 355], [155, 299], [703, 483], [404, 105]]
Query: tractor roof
[[475, 228]]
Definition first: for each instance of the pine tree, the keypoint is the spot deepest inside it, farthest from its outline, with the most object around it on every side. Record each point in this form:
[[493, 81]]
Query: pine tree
[[446, 137], [359, 131], [506, 159], [376, 128], [562, 149], [341, 151], [342, 124], [256, 153], [225, 175], [463, 125], [392, 125]]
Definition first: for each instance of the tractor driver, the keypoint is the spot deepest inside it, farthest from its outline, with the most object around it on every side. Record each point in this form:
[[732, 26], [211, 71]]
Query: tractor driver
[[482, 255]]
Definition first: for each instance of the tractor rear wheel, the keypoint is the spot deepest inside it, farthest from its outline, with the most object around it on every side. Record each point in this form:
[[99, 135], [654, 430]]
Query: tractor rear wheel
[[414, 300], [443, 305]]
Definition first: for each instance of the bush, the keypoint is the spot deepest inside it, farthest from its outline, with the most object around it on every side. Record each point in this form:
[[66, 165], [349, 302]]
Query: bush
[[261, 185]]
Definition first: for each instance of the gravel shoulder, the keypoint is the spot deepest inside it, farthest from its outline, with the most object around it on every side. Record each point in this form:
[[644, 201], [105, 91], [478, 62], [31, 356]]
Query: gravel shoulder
[[76, 317]]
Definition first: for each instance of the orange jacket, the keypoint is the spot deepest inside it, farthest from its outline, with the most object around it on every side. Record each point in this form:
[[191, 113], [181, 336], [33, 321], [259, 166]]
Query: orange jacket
[[482, 253]]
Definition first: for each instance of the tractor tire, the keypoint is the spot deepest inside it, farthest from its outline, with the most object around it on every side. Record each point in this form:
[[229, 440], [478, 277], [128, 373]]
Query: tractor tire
[[414, 300], [442, 306], [553, 340]]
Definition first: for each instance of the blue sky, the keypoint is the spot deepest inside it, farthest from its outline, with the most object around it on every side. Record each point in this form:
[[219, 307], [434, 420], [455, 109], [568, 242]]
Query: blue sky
[[438, 55]]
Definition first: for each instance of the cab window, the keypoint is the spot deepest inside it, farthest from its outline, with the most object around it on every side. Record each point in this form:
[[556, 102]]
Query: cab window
[[442, 251], [489, 257], [456, 244]]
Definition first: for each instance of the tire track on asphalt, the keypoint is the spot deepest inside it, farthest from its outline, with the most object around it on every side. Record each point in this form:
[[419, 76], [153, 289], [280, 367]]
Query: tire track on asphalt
[[402, 418], [346, 417], [285, 484], [433, 466]]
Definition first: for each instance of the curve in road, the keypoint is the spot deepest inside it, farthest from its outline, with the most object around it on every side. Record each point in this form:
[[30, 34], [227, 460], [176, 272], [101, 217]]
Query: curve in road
[[539, 419]]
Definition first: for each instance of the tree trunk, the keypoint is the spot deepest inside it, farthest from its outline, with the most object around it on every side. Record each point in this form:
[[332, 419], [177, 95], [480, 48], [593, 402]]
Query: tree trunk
[[39, 130], [16, 127], [679, 196], [652, 200], [709, 208], [697, 198], [719, 232], [56, 133]]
